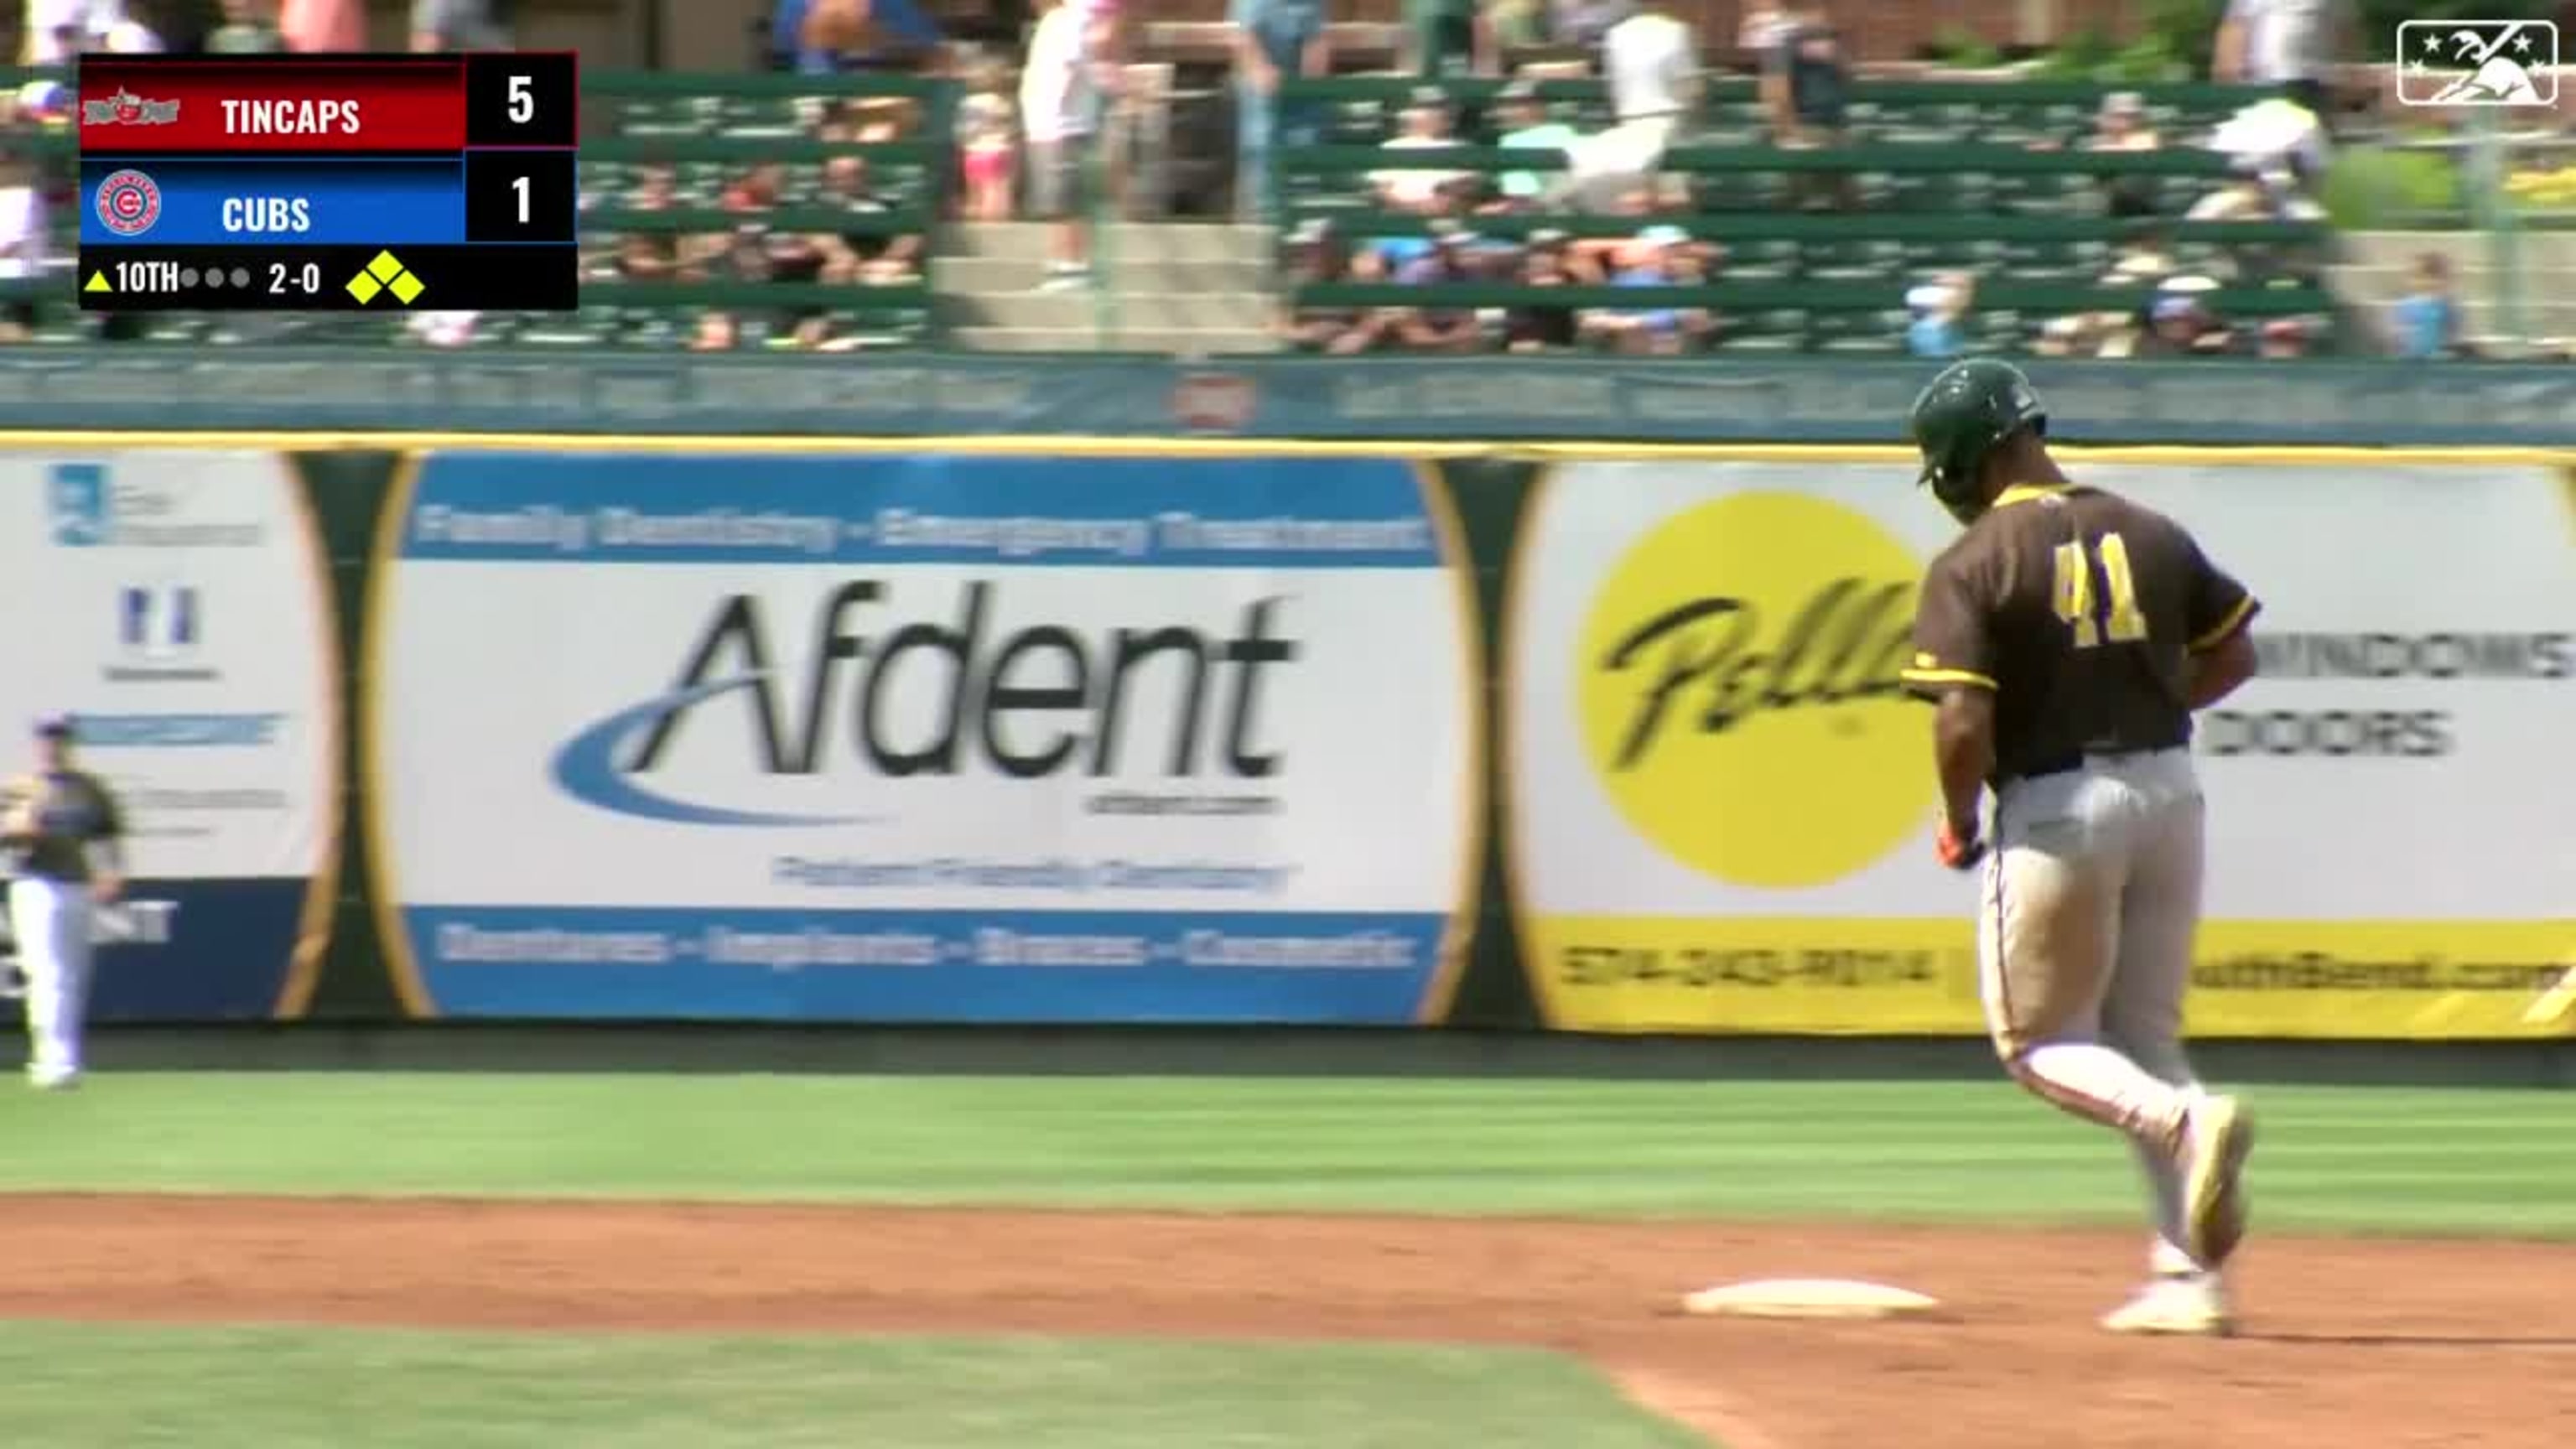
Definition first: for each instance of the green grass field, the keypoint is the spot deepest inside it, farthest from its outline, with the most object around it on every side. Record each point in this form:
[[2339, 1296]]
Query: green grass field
[[2344, 1160]]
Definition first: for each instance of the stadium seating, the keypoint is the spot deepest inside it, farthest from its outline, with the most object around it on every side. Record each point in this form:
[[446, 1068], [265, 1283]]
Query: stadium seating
[[1989, 179]]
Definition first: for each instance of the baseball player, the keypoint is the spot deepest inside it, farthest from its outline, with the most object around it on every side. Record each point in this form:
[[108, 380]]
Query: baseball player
[[64, 835], [2067, 636]]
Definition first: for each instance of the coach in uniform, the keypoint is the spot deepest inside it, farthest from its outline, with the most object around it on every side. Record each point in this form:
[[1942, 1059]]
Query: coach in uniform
[[63, 833], [2068, 635]]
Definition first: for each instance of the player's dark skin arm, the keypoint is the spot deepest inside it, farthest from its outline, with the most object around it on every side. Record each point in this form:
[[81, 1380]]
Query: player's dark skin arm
[[1963, 745], [2220, 670]]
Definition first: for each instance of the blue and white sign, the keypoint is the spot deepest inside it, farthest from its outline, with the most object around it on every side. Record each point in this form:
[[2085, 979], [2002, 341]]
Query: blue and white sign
[[177, 604], [911, 737]]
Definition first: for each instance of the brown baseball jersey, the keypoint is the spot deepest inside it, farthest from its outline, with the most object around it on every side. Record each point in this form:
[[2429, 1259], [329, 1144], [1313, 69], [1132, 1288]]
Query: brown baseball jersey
[[2080, 610], [50, 821]]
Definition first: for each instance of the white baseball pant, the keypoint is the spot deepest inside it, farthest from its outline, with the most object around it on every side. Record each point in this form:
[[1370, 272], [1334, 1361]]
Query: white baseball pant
[[2092, 899], [53, 921]]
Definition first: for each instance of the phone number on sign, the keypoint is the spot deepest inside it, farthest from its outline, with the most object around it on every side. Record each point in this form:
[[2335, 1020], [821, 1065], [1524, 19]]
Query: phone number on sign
[[1699, 966]]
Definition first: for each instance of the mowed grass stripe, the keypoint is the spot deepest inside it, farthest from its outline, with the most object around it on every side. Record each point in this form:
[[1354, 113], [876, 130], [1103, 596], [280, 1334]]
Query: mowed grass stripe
[[286, 1389], [2417, 1160]]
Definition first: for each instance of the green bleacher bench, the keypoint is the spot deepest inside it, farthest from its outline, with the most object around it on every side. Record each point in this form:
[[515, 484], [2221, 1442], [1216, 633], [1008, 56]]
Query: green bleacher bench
[[1730, 297], [2191, 96], [1362, 221], [1943, 160], [907, 220], [757, 296]]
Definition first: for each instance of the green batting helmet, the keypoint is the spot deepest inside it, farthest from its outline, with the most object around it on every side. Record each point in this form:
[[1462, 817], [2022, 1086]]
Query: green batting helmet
[[1965, 412]]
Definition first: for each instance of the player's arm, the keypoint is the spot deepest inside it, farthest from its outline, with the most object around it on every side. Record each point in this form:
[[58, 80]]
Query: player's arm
[[20, 798], [1954, 665], [2220, 616]]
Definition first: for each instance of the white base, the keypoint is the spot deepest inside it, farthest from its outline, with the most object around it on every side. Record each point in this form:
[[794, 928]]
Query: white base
[[1808, 1298]]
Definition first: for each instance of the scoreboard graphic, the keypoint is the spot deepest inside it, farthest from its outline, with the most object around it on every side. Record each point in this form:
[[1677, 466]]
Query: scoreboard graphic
[[317, 183]]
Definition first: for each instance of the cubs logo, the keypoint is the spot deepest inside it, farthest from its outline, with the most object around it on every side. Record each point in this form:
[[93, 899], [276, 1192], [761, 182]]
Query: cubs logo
[[129, 203]]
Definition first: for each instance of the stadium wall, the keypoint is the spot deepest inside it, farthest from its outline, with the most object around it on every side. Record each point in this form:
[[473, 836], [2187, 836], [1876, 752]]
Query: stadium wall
[[1046, 732]]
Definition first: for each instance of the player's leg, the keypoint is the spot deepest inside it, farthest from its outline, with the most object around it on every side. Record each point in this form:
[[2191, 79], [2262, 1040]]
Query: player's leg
[[2200, 1222], [2047, 945], [76, 942], [37, 909]]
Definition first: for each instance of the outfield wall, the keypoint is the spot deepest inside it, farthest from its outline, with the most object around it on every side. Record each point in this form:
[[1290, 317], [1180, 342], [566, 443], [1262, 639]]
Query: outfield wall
[[1064, 731]]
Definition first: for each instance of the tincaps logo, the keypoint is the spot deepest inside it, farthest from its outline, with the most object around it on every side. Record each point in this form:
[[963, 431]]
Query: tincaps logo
[[1738, 695], [2477, 62], [129, 203], [125, 108]]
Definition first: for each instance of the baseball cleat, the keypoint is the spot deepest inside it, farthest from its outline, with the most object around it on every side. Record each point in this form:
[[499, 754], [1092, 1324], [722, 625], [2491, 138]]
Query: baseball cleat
[[53, 1079], [2189, 1305], [2216, 1141]]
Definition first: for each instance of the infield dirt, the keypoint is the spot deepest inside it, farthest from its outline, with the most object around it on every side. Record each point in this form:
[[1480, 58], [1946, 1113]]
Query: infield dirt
[[2348, 1344]]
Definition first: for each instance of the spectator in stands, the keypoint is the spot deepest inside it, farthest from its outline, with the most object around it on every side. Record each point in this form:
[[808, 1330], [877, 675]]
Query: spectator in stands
[[54, 31], [2272, 193], [1651, 61], [1060, 106], [987, 153], [2122, 126], [1806, 88], [1940, 309], [2067, 337], [1518, 24], [1650, 261], [2293, 44], [1582, 23], [1542, 327], [818, 37], [1425, 126], [2145, 259], [872, 258], [323, 25], [1423, 329], [1762, 30], [25, 235], [1653, 68], [1314, 254], [2426, 321], [2283, 338], [1526, 125], [716, 332], [457, 25], [2180, 324], [1448, 38], [644, 257], [249, 28], [1273, 39]]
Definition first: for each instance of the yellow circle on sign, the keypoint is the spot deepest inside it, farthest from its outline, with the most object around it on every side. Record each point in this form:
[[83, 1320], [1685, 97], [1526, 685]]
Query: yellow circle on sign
[[1739, 694]]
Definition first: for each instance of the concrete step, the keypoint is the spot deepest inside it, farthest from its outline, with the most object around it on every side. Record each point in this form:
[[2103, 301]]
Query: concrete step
[[1139, 242], [1126, 274], [1185, 342], [2546, 251], [1224, 310]]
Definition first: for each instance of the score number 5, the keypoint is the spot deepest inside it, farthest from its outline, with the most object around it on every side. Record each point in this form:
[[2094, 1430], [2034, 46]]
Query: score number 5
[[2123, 622], [523, 109]]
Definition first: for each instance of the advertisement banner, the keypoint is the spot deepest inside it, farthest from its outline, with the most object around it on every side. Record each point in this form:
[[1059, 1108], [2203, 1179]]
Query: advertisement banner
[[914, 736], [176, 603], [1722, 806]]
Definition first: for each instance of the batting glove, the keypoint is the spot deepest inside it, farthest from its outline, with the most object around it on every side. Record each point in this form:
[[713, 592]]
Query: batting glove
[[1957, 851]]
